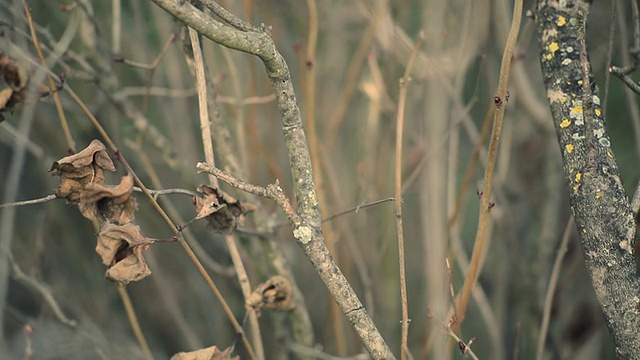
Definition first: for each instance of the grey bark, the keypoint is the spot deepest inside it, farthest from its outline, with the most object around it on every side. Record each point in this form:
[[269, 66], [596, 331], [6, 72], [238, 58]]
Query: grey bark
[[601, 208]]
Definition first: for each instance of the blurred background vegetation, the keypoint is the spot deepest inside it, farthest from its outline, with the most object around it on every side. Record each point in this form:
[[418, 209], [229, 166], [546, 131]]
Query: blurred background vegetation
[[363, 46]]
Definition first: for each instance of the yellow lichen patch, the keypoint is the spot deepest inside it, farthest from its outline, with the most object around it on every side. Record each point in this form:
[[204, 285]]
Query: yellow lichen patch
[[609, 154], [578, 177], [599, 195], [569, 148], [562, 21], [565, 123], [553, 47], [548, 56], [598, 112], [577, 109]]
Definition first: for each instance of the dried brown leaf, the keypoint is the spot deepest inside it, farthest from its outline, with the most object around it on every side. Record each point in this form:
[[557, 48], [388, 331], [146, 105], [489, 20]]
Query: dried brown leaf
[[16, 78], [109, 203], [114, 240], [120, 247], [132, 268], [223, 212], [275, 294], [12, 73], [78, 170], [5, 97], [210, 353]]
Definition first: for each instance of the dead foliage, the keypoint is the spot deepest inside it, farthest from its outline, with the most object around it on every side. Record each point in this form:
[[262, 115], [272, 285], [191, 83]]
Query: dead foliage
[[120, 242], [78, 170], [16, 85], [273, 294], [210, 353], [109, 203], [223, 212]]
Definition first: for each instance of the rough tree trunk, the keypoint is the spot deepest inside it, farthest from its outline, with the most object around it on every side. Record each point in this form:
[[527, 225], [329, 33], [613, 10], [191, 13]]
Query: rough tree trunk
[[599, 203]]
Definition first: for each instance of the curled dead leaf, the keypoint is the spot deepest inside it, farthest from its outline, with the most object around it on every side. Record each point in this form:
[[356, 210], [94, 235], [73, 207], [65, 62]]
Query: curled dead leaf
[[223, 212], [78, 170], [120, 247], [132, 267], [16, 78], [109, 203], [275, 294], [210, 353], [115, 239]]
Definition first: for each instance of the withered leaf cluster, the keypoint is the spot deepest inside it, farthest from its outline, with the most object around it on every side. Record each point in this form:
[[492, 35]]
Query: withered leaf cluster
[[222, 211], [120, 243], [273, 294], [16, 83], [210, 353]]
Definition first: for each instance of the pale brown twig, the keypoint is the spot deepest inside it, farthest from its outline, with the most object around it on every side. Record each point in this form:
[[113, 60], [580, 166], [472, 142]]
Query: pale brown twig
[[56, 97], [548, 299], [205, 126], [404, 82], [133, 320], [41, 289], [483, 220]]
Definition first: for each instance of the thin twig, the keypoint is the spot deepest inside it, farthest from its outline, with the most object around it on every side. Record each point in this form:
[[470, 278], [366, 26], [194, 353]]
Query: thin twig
[[357, 208], [466, 347], [483, 220], [116, 26], [623, 73], [30, 202], [156, 193], [318, 354], [548, 300], [133, 320], [205, 127], [607, 74], [203, 110], [73, 26], [152, 65], [402, 97], [272, 191], [43, 290]]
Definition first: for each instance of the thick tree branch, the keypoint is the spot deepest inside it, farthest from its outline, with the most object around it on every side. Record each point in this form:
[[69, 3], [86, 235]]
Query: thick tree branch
[[599, 203], [307, 232]]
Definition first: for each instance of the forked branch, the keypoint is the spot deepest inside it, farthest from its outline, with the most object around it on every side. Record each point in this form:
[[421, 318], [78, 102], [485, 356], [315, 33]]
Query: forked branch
[[307, 231]]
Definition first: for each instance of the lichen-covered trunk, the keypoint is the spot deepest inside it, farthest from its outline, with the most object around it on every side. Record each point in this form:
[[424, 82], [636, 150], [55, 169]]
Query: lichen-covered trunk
[[599, 203]]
